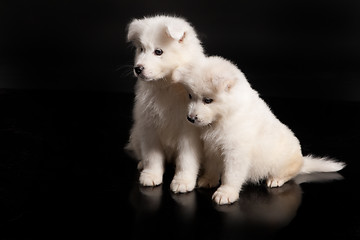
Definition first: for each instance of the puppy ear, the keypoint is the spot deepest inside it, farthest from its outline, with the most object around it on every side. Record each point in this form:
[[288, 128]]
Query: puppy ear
[[176, 30], [223, 83], [229, 83], [133, 30]]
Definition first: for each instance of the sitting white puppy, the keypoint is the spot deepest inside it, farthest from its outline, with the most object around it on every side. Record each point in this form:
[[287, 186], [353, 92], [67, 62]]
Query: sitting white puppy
[[162, 44], [243, 140]]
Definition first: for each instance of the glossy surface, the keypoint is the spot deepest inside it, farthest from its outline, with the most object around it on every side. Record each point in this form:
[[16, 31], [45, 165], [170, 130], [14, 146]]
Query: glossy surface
[[63, 173]]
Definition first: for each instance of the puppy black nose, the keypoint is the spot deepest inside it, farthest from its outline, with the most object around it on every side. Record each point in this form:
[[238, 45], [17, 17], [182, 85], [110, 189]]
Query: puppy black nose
[[138, 69], [191, 119]]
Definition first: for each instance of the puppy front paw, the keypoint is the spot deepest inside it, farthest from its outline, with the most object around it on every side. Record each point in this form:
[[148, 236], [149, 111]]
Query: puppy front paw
[[208, 182], [182, 184], [149, 178], [225, 195]]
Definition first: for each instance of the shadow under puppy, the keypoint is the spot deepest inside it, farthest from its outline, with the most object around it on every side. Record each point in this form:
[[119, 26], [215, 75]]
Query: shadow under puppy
[[243, 139]]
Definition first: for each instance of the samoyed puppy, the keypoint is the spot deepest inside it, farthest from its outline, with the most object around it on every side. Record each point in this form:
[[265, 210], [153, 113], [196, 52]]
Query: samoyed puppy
[[159, 131], [243, 140]]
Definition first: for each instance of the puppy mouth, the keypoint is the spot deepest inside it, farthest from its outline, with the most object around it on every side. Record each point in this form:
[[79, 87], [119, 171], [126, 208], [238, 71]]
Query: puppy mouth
[[140, 74], [144, 78], [197, 122]]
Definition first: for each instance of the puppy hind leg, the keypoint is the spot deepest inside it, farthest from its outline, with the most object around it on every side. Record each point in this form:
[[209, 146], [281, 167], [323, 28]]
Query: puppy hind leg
[[275, 182], [286, 171]]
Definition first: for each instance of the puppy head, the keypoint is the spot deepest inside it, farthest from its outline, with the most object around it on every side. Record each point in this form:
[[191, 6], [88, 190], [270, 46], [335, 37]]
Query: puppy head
[[210, 85], [162, 43]]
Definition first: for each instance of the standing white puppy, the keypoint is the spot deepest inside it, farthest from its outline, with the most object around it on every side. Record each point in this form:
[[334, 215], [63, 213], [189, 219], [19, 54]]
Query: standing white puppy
[[159, 131], [243, 140]]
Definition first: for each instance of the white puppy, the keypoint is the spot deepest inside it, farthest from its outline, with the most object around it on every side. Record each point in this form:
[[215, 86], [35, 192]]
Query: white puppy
[[243, 140], [159, 131]]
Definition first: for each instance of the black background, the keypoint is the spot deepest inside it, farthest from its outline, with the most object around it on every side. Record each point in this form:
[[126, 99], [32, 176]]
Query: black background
[[66, 96], [286, 48]]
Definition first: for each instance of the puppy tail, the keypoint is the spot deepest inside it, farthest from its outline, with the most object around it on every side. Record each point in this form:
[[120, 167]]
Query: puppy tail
[[320, 164]]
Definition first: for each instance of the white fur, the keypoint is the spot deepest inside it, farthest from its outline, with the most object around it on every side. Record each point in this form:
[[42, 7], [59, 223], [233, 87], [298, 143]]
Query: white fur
[[160, 130], [243, 140]]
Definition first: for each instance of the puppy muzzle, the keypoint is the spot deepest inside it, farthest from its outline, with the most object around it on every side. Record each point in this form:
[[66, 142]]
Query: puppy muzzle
[[191, 119]]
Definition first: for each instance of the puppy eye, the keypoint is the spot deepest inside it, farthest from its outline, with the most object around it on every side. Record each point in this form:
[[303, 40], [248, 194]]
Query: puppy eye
[[207, 100], [141, 49], [158, 52], [190, 97]]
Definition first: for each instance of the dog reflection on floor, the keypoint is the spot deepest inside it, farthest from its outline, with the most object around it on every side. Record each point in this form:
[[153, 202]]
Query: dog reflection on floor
[[272, 207], [268, 209]]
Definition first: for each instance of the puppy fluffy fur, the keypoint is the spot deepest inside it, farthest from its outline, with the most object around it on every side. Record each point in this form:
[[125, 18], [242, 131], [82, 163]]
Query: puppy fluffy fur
[[160, 130], [243, 140]]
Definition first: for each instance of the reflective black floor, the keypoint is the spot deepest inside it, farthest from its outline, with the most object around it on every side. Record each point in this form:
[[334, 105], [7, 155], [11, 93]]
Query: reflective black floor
[[63, 173]]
